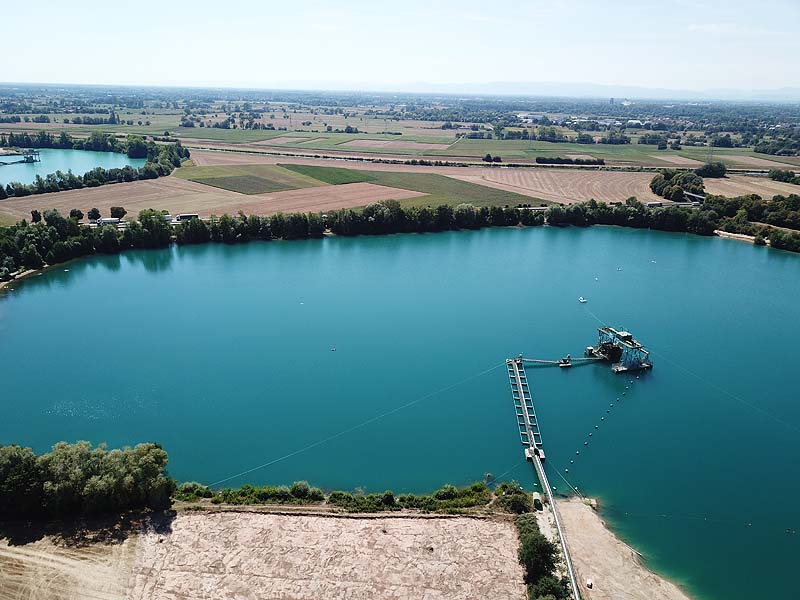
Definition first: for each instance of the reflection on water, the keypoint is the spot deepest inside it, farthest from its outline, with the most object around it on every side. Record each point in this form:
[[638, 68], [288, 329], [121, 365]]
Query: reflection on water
[[110, 350], [153, 261]]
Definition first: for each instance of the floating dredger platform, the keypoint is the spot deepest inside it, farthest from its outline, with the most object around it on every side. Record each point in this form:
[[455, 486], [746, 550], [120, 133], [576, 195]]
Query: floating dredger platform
[[621, 350]]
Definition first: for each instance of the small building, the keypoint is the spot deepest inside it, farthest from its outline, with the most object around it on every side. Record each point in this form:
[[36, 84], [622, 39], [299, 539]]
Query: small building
[[107, 221]]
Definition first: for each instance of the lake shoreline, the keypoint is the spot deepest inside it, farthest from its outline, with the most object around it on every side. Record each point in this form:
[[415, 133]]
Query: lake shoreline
[[328, 234], [616, 568]]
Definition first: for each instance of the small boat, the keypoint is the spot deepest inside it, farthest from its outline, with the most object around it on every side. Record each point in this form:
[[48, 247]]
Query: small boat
[[565, 363], [333, 349], [582, 300]]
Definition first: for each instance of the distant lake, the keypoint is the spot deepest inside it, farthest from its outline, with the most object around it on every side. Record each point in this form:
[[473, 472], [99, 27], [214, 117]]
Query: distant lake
[[80, 161], [223, 354]]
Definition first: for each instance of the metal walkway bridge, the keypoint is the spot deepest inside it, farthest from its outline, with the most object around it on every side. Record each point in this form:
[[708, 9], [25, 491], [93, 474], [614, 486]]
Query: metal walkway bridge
[[532, 440]]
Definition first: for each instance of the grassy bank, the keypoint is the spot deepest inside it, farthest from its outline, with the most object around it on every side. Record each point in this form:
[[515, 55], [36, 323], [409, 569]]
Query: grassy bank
[[449, 499]]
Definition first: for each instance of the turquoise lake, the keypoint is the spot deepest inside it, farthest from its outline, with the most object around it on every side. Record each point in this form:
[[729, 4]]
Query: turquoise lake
[[52, 160], [223, 354]]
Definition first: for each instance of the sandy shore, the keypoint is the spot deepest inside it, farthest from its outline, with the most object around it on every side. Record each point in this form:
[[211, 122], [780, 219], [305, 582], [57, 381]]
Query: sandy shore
[[739, 237], [22, 275], [616, 570]]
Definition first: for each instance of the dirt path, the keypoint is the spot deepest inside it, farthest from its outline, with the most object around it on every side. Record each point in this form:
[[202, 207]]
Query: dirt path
[[44, 570], [616, 569]]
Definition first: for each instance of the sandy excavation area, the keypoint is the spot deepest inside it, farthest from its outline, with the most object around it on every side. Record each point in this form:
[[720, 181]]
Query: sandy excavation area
[[43, 570], [616, 570], [251, 555]]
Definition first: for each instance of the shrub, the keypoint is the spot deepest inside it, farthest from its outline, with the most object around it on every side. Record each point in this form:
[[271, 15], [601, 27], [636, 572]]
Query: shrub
[[712, 169], [300, 489], [536, 553]]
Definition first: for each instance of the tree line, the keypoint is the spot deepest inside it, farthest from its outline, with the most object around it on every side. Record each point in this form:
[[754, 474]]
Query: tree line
[[785, 176], [560, 160], [76, 479], [134, 145], [672, 183], [53, 238], [161, 160]]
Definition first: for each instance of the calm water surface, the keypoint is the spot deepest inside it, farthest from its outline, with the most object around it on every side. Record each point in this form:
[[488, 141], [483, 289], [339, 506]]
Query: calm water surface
[[223, 354], [80, 161]]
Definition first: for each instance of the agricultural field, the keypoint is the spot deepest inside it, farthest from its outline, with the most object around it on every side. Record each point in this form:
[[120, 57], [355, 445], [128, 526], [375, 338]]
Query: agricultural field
[[408, 126], [248, 179], [437, 189], [568, 186]]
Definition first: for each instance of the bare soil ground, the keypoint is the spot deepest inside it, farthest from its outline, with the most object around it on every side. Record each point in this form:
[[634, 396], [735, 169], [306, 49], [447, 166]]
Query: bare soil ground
[[569, 186], [253, 555], [401, 145], [581, 156], [738, 185], [678, 161], [616, 570], [46, 570], [177, 196], [169, 193], [316, 199]]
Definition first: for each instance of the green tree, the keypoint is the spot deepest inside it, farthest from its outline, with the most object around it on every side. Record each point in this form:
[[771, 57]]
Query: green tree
[[118, 212], [108, 240], [36, 216], [94, 214], [549, 586], [76, 214], [31, 258], [712, 169], [137, 147]]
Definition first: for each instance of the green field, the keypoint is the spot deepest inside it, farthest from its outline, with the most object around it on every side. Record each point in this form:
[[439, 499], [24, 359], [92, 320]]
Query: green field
[[248, 179], [439, 189]]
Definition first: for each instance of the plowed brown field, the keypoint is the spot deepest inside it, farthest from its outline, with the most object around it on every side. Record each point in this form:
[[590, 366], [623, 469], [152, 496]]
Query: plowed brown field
[[567, 185], [740, 185], [180, 196]]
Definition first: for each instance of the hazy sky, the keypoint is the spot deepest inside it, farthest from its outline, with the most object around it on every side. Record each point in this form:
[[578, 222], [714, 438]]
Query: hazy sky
[[678, 44]]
